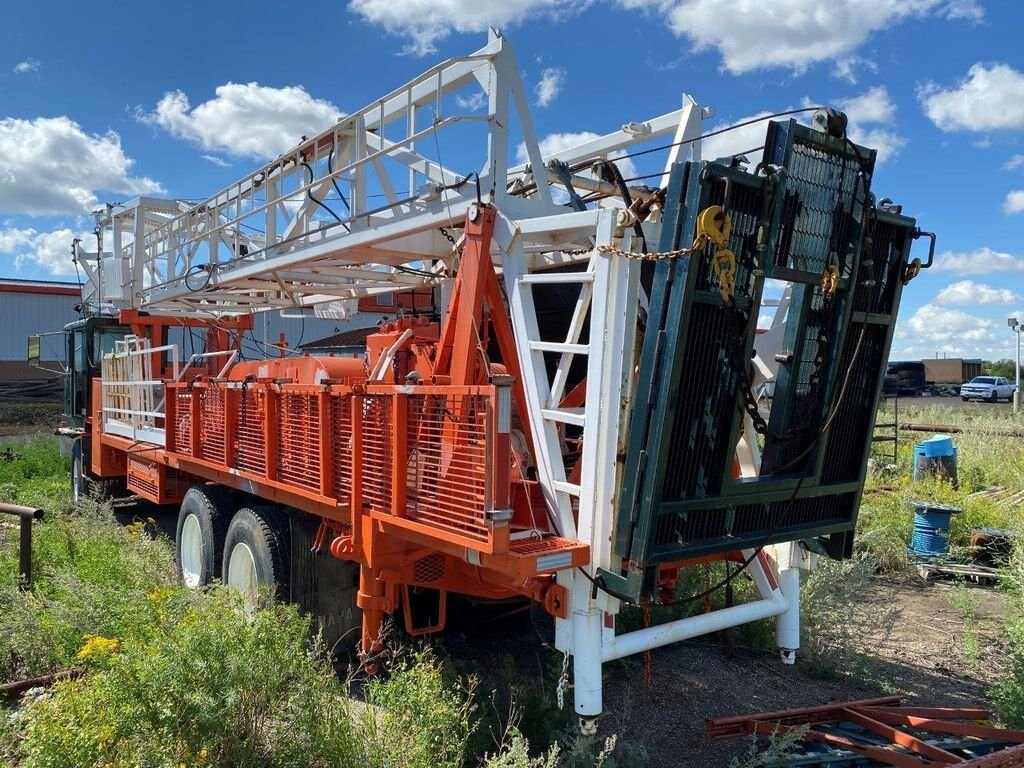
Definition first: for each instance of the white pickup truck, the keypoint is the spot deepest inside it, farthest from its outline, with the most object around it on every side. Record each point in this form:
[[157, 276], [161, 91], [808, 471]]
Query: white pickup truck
[[991, 388]]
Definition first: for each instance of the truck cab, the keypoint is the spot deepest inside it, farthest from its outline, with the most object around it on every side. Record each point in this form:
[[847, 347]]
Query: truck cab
[[86, 340]]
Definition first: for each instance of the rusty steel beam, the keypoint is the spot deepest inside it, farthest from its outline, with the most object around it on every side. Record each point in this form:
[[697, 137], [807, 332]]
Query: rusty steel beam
[[882, 718], [15, 689], [953, 429], [741, 725]]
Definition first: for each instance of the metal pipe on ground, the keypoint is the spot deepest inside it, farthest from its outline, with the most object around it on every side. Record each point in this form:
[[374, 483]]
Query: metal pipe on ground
[[954, 429], [27, 515], [15, 689]]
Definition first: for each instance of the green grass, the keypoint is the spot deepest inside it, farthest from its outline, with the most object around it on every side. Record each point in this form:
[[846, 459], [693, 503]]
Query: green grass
[[985, 459], [178, 677]]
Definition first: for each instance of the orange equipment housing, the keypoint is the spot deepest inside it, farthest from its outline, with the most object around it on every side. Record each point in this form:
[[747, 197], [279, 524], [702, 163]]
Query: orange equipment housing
[[405, 458]]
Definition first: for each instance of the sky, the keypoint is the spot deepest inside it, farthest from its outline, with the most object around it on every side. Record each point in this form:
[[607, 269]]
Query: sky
[[180, 100]]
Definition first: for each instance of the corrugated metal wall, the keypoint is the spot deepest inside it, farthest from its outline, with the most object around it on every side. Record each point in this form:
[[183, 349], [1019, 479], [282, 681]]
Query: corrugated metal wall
[[267, 328], [25, 314]]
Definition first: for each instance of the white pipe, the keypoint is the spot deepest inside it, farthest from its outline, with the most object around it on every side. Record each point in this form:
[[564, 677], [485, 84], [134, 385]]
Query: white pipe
[[787, 627], [586, 665], [385, 360], [693, 626]]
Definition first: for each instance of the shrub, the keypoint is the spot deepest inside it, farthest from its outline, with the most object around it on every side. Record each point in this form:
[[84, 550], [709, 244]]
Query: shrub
[[419, 718], [92, 576], [833, 611], [218, 685]]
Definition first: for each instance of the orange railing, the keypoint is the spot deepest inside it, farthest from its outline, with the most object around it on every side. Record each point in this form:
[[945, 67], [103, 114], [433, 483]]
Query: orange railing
[[429, 459]]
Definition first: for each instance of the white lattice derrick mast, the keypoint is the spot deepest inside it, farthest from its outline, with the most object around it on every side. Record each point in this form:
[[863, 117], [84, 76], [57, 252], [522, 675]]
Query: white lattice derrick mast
[[357, 209]]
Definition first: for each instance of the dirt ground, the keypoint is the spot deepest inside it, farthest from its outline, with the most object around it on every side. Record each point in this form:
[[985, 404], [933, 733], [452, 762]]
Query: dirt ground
[[942, 648], [924, 657]]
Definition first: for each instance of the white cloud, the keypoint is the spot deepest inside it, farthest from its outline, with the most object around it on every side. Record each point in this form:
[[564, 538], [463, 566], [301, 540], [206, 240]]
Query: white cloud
[[50, 165], [244, 119], [550, 85], [425, 22], [791, 34], [218, 161], [872, 106], [981, 261], [968, 292], [964, 9], [738, 140], [473, 103], [1014, 202], [935, 324], [990, 98], [934, 329], [49, 250], [25, 67], [1015, 162], [849, 68], [871, 117]]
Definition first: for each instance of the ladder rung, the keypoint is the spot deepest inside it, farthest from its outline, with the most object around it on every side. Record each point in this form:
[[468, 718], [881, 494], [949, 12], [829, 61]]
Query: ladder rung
[[565, 415], [548, 278], [566, 487], [554, 346]]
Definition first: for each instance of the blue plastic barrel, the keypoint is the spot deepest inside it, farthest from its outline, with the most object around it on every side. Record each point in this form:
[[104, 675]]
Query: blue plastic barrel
[[936, 457], [931, 528]]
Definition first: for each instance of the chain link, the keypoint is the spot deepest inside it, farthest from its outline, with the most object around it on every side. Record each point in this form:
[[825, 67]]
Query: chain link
[[447, 235], [563, 682], [699, 242]]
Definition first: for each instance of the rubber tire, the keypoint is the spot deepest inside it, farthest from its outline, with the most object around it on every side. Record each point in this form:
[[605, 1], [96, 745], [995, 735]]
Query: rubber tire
[[965, 399], [994, 398], [264, 529], [211, 505], [79, 480]]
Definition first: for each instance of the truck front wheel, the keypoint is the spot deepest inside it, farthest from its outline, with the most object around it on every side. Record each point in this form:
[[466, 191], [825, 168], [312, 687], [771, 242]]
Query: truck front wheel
[[199, 538], [79, 479], [256, 553]]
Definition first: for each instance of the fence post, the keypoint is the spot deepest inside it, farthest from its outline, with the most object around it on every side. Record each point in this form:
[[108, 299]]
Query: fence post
[[27, 515]]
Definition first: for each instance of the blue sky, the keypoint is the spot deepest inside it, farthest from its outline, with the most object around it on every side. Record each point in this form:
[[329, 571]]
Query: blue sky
[[179, 100]]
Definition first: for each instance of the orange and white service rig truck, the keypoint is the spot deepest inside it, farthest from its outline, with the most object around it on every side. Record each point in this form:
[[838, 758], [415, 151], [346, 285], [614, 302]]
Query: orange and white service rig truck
[[591, 409]]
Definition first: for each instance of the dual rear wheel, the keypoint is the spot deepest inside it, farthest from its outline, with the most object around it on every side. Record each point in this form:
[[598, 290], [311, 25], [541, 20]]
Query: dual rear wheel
[[246, 547]]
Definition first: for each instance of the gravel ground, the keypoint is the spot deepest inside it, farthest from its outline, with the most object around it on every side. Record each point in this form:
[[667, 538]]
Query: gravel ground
[[925, 654]]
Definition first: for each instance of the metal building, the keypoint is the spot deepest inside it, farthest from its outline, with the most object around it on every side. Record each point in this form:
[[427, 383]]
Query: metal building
[[30, 307]]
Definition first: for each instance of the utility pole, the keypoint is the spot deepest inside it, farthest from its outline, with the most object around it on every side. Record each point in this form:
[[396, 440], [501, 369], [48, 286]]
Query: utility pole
[[1016, 327]]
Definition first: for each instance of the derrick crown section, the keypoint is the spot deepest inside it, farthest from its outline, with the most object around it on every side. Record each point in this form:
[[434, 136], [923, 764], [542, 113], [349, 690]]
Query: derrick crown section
[[804, 218]]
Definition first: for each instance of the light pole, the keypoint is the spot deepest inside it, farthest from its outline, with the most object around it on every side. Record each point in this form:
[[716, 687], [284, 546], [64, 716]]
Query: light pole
[[1016, 327]]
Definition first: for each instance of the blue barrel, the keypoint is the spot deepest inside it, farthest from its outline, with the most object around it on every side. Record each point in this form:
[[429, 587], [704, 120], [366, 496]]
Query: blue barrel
[[936, 457], [931, 528]]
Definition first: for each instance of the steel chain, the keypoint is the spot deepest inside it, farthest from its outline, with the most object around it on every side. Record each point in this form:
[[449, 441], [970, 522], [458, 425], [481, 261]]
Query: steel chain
[[698, 242], [563, 681]]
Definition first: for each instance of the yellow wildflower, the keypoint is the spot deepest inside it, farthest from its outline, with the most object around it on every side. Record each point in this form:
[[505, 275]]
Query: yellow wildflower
[[95, 645]]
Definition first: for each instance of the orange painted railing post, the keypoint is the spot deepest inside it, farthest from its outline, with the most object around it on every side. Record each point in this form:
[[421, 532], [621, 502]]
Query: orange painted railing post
[[357, 469], [400, 458], [327, 446], [231, 416], [271, 426], [196, 415]]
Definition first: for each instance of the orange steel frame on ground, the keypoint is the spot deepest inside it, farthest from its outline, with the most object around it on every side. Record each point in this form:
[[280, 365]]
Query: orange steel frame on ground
[[906, 737], [408, 467]]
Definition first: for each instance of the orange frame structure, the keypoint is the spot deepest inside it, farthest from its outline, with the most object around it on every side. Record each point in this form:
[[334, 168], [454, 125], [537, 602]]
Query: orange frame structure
[[406, 461]]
